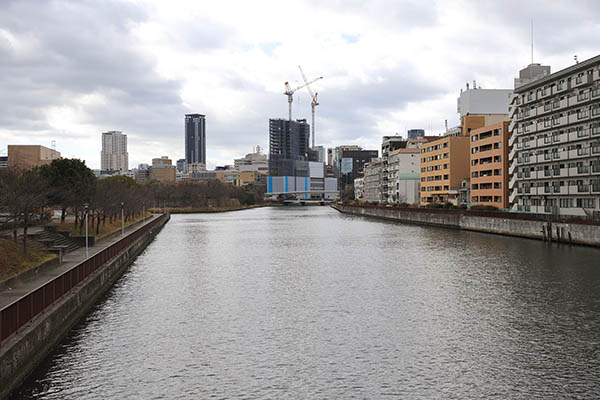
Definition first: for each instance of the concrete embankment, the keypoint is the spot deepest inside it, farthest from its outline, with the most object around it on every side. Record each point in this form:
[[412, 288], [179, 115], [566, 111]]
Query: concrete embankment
[[32, 325], [512, 225]]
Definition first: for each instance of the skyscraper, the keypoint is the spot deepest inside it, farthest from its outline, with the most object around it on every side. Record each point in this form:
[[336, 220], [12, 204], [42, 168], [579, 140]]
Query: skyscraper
[[114, 156], [195, 139]]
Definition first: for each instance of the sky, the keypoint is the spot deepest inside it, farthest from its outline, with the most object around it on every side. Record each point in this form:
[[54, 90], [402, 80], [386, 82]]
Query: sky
[[70, 70]]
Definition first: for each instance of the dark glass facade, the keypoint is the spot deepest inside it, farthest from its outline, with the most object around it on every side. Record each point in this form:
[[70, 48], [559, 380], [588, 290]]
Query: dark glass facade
[[289, 150], [195, 138]]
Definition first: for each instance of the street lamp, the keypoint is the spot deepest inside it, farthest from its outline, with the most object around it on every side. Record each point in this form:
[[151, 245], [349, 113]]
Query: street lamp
[[122, 220], [87, 254]]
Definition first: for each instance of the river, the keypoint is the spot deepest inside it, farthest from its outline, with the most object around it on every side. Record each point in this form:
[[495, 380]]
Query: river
[[305, 302]]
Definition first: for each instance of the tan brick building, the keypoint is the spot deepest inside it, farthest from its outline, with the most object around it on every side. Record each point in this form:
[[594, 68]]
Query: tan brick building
[[444, 164], [489, 165], [29, 156]]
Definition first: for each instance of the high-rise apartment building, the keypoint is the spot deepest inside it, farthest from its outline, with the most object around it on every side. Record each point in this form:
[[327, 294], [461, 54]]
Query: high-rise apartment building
[[114, 156], [489, 165], [555, 139], [195, 138]]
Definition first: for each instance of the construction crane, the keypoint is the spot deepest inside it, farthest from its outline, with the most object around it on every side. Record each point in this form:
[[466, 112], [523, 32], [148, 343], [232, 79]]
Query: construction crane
[[314, 103], [289, 93]]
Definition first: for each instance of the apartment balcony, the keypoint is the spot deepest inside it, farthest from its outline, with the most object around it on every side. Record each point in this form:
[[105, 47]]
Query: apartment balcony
[[512, 153], [564, 103], [512, 125], [578, 153], [513, 166], [530, 128], [513, 196], [560, 173], [579, 135], [595, 188], [579, 117], [527, 99], [597, 74], [513, 109], [583, 189], [541, 126], [581, 81], [579, 171], [513, 137], [512, 182], [544, 93], [541, 110], [512, 99]]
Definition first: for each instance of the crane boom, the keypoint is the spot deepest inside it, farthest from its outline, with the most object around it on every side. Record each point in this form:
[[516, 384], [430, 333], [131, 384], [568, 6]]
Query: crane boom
[[313, 103], [289, 92]]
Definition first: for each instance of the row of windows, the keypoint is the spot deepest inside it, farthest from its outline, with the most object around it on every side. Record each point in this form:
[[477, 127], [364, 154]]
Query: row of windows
[[485, 135], [489, 172], [436, 147], [486, 199], [485, 186]]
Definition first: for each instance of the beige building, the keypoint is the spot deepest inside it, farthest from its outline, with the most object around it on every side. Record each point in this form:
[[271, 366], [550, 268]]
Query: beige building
[[29, 156], [114, 156], [444, 164], [163, 170]]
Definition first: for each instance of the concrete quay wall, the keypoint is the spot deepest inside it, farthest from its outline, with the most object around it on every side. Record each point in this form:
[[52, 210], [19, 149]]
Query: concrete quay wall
[[25, 350], [582, 234]]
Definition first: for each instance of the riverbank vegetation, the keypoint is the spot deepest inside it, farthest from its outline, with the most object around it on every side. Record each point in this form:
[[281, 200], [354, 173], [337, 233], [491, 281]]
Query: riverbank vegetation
[[28, 196]]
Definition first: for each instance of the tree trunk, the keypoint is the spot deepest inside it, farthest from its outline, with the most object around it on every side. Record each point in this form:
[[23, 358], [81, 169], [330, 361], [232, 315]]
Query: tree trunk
[[98, 225], [63, 214]]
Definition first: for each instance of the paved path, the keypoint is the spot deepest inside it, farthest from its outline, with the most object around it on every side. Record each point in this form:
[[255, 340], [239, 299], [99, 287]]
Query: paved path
[[71, 259]]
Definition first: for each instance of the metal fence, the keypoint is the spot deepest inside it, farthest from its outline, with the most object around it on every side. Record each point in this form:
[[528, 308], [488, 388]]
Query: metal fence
[[23, 310]]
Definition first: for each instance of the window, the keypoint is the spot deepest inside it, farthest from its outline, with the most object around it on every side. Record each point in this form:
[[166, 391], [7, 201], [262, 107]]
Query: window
[[566, 203], [586, 203]]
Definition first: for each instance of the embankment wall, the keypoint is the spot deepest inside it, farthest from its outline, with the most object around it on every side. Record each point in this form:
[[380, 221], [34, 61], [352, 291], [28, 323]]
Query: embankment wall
[[574, 233], [23, 351]]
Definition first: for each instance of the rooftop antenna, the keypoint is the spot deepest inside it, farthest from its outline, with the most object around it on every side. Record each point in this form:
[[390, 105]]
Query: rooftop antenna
[[576, 60], [532, 41]]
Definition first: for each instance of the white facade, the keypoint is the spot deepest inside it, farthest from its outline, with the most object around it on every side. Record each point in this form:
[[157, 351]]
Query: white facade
[[114, 156], [400, 163], [359, 187], [252, 162], [483, 101], [555, 140], [373, 182]]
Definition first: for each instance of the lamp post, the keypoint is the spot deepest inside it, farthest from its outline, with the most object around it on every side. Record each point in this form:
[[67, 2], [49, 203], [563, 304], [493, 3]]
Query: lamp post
[[144, 212], [122, 220], [87, 209]]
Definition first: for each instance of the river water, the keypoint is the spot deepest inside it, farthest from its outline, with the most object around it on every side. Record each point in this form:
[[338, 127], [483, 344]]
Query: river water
[[310, 303]]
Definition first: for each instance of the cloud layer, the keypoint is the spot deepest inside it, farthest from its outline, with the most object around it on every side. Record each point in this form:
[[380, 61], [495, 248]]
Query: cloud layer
[[72, 69]]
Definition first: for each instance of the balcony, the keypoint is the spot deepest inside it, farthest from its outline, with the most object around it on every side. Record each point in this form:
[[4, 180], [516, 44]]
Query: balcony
[[512, 153], [578, 117], [578, 153], [578, 135], [583, 188], [513, 196], [596, 75], [511, 112], [512, 182], [511, 140], [513, 97], [595, 188], [513, 166], [581, 81], [512, 125], [544, 93], [529, 98]]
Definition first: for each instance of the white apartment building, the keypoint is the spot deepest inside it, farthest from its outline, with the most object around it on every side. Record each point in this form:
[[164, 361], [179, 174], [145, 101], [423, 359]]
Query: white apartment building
[[401, 162], [373, 182], [555, 139], [114, 156], [359, 188]]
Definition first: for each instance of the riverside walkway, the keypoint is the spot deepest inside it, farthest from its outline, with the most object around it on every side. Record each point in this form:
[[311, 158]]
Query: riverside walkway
[[21, 287]]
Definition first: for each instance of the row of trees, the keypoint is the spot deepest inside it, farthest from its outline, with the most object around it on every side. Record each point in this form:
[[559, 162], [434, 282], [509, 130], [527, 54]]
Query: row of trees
[[68, 184]]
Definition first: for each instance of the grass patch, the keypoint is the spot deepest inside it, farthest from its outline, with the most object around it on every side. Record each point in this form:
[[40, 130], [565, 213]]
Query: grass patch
[[13, 261]]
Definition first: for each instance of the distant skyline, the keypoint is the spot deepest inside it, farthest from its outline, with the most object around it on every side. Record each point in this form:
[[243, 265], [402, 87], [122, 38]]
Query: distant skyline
[[70, 70]]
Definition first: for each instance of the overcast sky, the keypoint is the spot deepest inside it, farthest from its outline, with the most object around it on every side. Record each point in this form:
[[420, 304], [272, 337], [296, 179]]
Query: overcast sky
[[70, 70]]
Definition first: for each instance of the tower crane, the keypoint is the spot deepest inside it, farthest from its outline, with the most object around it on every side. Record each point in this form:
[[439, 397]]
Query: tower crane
[[314, 103], [289, 93]]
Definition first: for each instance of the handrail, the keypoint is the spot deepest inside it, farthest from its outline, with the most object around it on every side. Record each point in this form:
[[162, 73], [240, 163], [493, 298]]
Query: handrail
[[21, 311]]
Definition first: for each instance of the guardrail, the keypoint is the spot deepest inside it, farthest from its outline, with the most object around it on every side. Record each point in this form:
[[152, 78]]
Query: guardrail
[[23, 310]]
